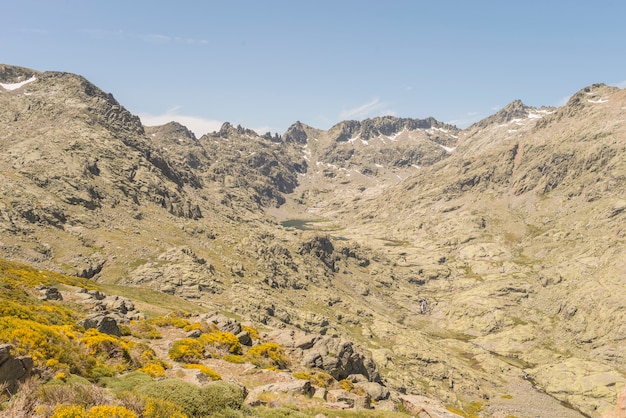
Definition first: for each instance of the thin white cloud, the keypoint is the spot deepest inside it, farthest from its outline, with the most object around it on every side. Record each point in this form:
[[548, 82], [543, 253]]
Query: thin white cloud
[[199, 126], [371, 108], [262, 130], [103, 34], [563, 101], [153, 37], [158, 38], [621, 84], [468, 119]]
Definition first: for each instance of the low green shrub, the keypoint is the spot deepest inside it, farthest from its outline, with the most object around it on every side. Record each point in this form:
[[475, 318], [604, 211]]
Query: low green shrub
[[195, 401]]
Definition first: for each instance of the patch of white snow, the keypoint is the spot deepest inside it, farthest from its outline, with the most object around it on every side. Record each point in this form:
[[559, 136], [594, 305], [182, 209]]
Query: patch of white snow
[[351, 140], [15, 86], [448, 149], [395, 136], [598, 101]]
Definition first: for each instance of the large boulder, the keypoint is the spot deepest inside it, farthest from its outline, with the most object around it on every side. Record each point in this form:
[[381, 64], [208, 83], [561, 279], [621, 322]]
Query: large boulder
[[224, 323], [296, 387], [13, 370], [340, 358], [337, 356], [103, 323]]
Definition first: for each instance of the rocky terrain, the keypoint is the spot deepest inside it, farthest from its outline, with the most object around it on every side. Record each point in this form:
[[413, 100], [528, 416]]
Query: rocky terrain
[[481, 267]]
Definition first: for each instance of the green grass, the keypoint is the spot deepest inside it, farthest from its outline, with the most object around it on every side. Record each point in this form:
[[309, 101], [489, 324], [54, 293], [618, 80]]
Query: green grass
[[153, 298]]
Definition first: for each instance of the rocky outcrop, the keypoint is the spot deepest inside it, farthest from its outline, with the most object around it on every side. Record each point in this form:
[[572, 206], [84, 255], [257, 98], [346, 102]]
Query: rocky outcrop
[[49, 293], [342, 399], [422, 406], [105, 324], [296, 133], [384, 125], [338, 357], [295, 387], [13, 370]]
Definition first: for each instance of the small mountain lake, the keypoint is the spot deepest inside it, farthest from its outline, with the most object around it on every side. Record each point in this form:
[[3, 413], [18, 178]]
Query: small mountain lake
[[301, 224], [313, 225]]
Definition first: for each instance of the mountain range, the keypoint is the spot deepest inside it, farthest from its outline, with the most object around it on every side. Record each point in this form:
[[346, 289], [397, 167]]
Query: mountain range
[[485, 264]]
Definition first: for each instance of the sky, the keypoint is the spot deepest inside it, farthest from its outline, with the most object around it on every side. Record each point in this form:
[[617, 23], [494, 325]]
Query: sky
[[266, 64]]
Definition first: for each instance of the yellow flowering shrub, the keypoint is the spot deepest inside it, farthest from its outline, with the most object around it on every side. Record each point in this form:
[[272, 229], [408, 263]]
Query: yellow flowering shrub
[[222, 341], [302, 375], [267, 355], [254, 334], [187, 350], [100, 411], [153, 369], [69, 411], [144, 330], [322, 379], [41, 342], [233, 358], [108, 411], [20, 274], [100, 343], [175, 319], [60, 376], [207, 371]]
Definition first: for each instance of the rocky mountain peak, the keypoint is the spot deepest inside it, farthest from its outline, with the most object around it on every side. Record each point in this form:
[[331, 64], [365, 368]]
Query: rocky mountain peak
[[296, 133], [383, 126], [172, 130], [13, 74], [514, 110], [227, 129]]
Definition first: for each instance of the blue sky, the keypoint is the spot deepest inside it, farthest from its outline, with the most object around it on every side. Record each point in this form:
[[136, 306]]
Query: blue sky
[[266, 64]]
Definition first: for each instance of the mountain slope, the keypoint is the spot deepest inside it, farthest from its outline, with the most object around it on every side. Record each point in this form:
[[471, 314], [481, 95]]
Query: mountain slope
[[464, 260]]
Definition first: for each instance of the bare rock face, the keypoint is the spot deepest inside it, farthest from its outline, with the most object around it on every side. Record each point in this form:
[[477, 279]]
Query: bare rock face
[[296, 387], [337, 356], [426, 407], [49, 293], [13, 370], [103, 323]]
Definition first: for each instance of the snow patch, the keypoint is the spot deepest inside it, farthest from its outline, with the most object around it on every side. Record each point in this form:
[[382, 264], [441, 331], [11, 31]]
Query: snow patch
[[15, 86], [378, 165], [395, 136], [598, 101], [416, 166], [351, 140], [448, 149]]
